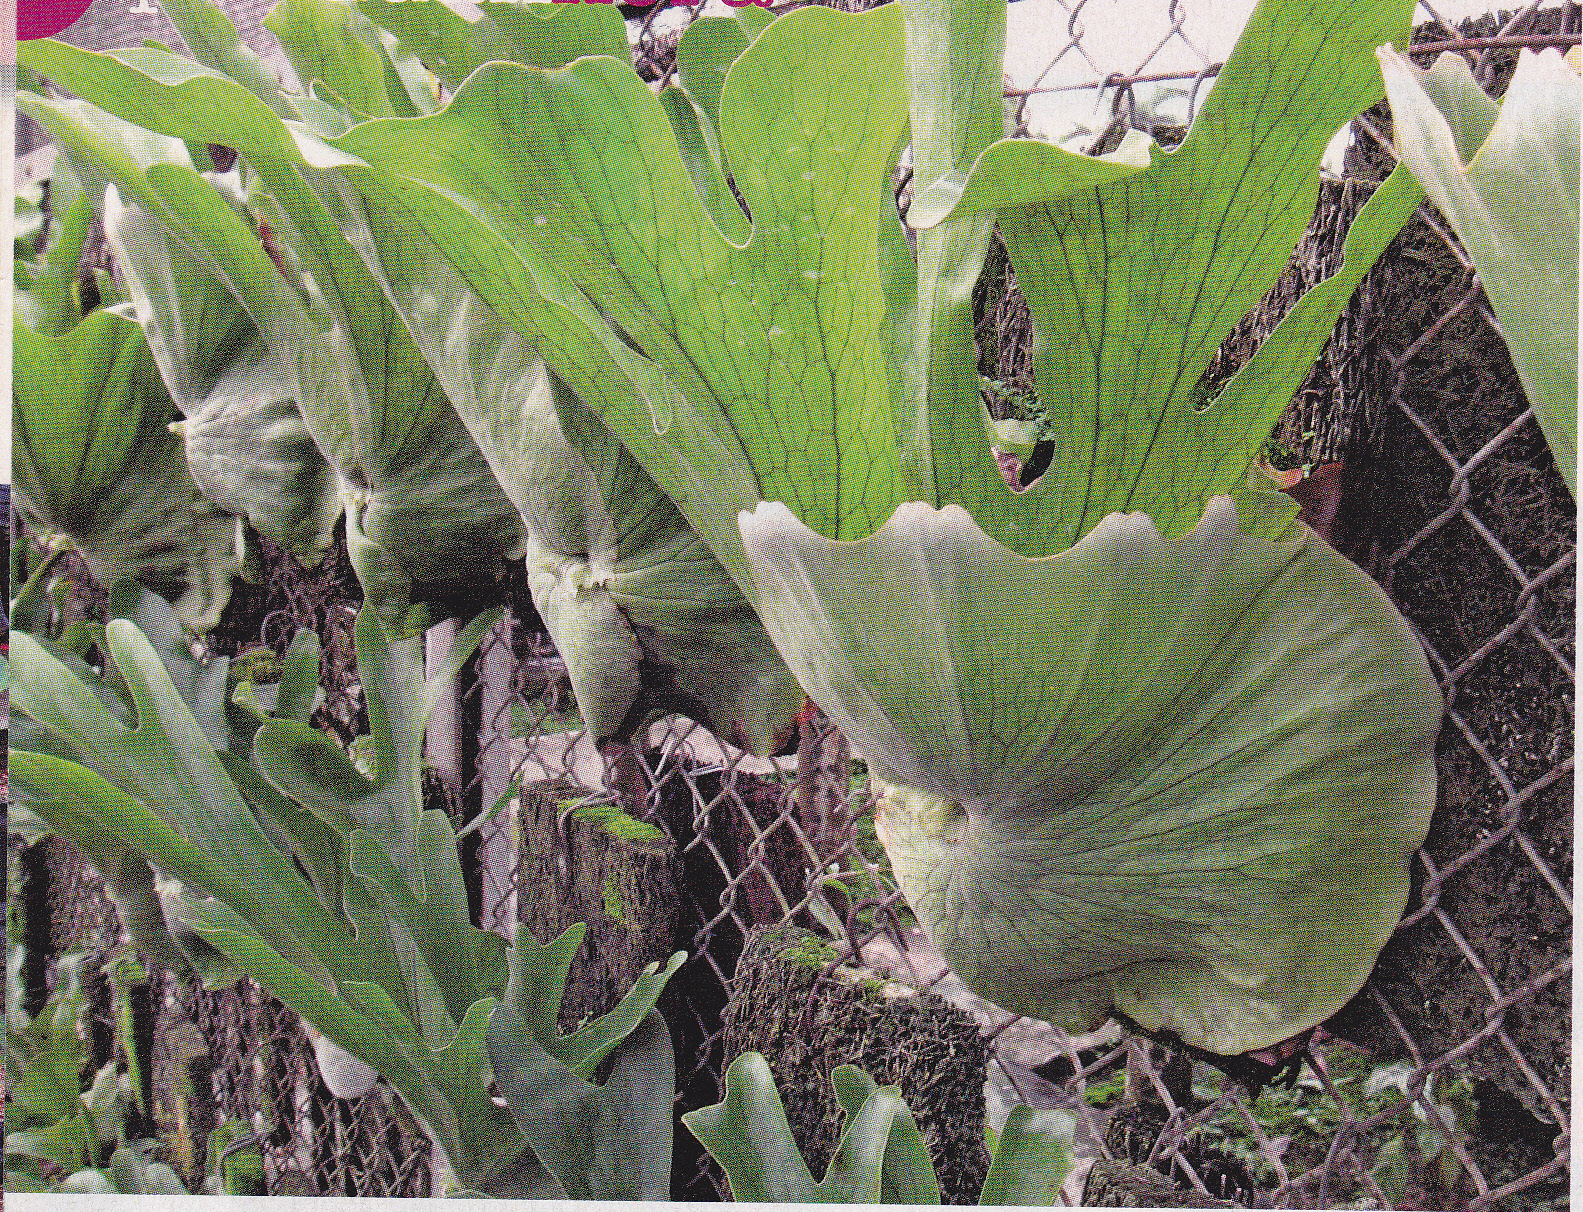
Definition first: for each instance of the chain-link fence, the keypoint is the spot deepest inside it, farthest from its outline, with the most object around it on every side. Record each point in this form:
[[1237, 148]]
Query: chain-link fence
[[1443, 1084]]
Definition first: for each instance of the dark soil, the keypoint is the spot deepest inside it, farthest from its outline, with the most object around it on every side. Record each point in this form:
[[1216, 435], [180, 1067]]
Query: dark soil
[[1514, 699], [1490, 927]]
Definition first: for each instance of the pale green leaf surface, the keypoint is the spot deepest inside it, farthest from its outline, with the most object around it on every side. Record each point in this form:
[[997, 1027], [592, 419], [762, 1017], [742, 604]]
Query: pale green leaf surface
[[350, 1027], [699, 145], [46, 305], [244, 438], [637, 605], [376, 991], [636, 602], [584, 243], [521, 210], [1032, 1159], [411, 85], [540, 35], [298, 691], [115, 835], [953, 78], [460, 961], [552, 35], [199, 679], [492, 1148], [754, 18], [536, 982], [93, 459], [536, 986], [704, 53], [132, 1173], [907, 1175], [250, 452], [1508, 184], [67, 1142], [441, 670], [88, 1182], [194, 326], [213, 40], [1466, 108], [304, 765], [294, 829], [1133, 283], [585, 1048], [88, 405], [163, 92], [1011, 171], [412, 898], [155, 172], [97, 814], [610, 1141], [450, 46], [331, 42], [1147, 775], [390, 958], [748, 1135], [760, 342], [856, 1172]]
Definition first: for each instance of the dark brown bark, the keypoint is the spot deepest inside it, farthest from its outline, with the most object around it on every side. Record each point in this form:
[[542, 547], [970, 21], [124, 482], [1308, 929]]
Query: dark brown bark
[[576, 867], [806, 1023]]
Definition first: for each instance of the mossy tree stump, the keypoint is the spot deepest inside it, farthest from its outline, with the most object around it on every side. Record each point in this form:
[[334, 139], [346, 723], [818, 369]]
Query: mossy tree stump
[[806, 1026], [595, 864]]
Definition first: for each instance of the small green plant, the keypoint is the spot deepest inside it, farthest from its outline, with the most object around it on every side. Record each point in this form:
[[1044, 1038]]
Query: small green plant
[[278, 858], [1107, 1091], [236, 1165], [1415, 1165], [1408, 1154], [881, 1157], [63, 1137], [1281, 457]]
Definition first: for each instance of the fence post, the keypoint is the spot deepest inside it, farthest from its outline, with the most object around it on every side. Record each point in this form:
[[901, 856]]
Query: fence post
[[491, 777], [443, 742]]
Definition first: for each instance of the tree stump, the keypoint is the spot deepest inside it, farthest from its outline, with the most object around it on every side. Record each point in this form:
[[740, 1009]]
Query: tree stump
[[806, 1026], [593, 863]]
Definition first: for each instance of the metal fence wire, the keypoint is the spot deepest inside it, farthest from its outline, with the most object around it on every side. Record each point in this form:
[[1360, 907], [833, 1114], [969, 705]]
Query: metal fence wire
[[1444, 1084]]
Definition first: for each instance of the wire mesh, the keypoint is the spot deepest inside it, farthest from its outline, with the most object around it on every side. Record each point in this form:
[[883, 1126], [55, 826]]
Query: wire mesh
[[1458, 1094]]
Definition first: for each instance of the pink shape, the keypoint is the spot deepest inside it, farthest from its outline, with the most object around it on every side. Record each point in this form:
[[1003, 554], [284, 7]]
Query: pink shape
[[46, 18]]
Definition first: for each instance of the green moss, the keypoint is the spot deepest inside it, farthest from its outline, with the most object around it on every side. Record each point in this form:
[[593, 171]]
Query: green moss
[[808, 950], [613, 821], [258, 665], [615, 909], [1104, 1093]]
